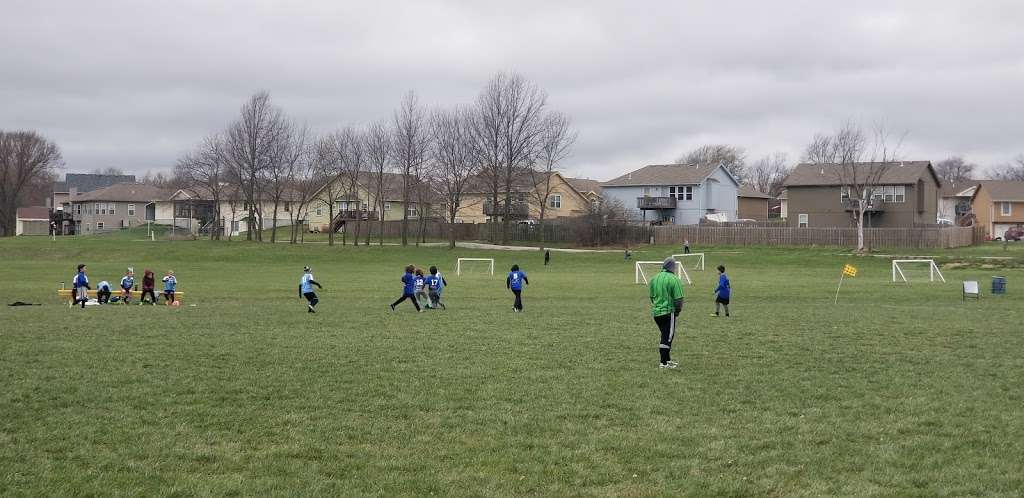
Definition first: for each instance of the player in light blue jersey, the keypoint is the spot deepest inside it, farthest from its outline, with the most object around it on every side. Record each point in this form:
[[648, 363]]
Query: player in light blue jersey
[[127, 282], [170, 285], [306, 289]]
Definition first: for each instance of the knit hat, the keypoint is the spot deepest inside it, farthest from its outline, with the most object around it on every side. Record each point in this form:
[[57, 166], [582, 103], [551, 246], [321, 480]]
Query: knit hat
[[669, 264]]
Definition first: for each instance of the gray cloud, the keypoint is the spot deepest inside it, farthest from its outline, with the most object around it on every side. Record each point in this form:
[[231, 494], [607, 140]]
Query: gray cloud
[[135, 84]]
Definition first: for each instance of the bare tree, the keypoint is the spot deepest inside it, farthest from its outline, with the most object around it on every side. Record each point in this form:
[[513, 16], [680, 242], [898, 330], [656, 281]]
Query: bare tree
[[955, 169], [286, 151], [304, 185], [858, 163], [453, 159], [411, 141], [379, 149], [204, 173], [509, 113], [328, 156], [556, 139], [353, 168], [248, 145], [25, 157], [768, 173], [1011, 171], [733, 158]]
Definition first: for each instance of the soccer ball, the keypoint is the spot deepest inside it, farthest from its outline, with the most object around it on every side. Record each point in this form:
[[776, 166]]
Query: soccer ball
[[176, 304]]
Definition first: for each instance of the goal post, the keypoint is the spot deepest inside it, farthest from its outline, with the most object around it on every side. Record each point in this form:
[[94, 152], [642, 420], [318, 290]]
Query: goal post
[[458, 264], [642, 269], [933, 269], [698, 256]]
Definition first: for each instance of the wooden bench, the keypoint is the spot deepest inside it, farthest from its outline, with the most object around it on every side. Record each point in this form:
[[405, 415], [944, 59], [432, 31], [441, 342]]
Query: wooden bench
[[67, 295]]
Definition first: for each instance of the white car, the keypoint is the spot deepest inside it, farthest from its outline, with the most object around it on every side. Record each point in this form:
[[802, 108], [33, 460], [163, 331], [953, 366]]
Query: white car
[[944, 221]]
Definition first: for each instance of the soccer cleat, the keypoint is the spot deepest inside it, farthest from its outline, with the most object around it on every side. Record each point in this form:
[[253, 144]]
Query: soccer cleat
[[714, 314], [392, 307], [668, 365], [673, 363]]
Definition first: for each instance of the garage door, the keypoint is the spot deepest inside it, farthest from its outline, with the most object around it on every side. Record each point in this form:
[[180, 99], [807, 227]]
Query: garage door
[[998, 229]]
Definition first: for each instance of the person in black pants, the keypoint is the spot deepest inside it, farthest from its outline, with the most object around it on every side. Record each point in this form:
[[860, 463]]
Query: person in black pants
[[514, 282], [408, 289]]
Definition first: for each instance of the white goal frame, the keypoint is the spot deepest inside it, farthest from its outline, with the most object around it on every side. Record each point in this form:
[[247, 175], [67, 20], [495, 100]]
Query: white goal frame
[[458, 264], [700, 259], [640, 278], [933, 270]]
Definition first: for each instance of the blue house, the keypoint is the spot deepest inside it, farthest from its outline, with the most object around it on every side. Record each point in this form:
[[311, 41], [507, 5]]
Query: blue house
[[679, 194]]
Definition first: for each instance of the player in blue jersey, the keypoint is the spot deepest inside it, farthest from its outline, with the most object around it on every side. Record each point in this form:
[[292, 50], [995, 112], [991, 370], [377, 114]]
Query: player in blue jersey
[[103, 292], [170, 285], [306, 289], [420, 289], [127, 282], [515, 281], [722, 292], [80, 286], [435, 284], [408, 289]]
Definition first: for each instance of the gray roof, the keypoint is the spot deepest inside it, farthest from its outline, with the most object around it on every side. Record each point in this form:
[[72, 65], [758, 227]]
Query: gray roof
[[1000, 190], [125, 192], [745, 191], [87, 182], [961, 189], [893, 173], [664, 174]]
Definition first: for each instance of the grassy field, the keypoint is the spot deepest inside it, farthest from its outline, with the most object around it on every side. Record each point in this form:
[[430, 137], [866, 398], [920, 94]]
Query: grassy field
[[898, 390]]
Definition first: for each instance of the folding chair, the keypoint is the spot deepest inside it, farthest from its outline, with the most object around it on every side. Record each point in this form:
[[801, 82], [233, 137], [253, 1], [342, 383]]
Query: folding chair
[[970, 290]]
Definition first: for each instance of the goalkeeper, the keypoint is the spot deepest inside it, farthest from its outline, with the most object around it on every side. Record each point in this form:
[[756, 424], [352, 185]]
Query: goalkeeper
[[666, 294]]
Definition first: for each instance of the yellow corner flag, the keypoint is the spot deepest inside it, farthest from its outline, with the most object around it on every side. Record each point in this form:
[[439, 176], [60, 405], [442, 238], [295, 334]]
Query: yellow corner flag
[[849, 271]]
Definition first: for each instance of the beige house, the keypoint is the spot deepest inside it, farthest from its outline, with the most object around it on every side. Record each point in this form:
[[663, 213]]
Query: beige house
[[998, 205], [591, 189], [360, 203], [194, 210], [564, 201], [119, 206], [33, 220]]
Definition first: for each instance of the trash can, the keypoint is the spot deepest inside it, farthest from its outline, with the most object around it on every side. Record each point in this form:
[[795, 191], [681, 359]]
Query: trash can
[[999, 285]]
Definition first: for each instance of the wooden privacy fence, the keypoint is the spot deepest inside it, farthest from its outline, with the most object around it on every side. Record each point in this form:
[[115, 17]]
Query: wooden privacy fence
[[908, 238], [583, 234]]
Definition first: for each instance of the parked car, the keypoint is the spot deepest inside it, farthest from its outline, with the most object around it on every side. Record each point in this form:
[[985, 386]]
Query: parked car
[[528, 222], [1014, 233], [944, 221]]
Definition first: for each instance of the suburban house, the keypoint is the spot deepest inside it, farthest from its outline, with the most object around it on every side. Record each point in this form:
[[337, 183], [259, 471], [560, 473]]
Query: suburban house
[[753, 205], [905, 194], [998, 205], [59, 201], [32, 221], [360, 203], [680, 194], [955, 200], [194, 209], [591, 189], [783, 205], [564, 200], [123, 205]]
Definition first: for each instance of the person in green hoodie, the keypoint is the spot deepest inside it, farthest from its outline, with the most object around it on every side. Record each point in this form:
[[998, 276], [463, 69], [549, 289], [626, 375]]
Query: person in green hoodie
[[666, 292]]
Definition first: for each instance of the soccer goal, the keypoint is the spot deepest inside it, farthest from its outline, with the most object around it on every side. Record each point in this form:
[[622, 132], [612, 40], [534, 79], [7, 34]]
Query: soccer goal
[[474, 265], [897, 269], [645, 270], [698, 257]]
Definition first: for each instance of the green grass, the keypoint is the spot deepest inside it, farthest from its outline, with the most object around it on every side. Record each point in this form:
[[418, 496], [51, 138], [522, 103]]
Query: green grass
[[896, 391]]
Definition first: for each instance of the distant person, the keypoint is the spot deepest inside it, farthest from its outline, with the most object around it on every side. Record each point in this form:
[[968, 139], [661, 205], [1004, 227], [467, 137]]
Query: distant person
[[627, 255], [722, 292], [127, 282], [514, 282], [666, 294], [306, 284], [408, 289], [547, 256], [435, 284], [148, 285], [170, 286], [686, 247], [103, 292], [80, 286], [419, 289]]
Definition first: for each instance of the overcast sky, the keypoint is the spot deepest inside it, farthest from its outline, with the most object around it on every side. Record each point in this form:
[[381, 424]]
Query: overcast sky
[[133, 84]]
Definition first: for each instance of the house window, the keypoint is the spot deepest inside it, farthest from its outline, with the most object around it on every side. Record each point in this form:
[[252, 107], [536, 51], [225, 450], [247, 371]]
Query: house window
[[234, 226], [844, 194], [110, 207], [1005, 209], [287, 207], [78, 209], [131, 210], [681, 193], [802, 221], [366, 206], [647, 191], [387, 206], [899, 193], [555, 202], [412, 211], [88, 227], [319, 211]]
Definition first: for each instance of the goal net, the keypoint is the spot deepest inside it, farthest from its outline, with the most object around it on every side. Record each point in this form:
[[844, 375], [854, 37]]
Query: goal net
[[476, 266], [646, 270], [697, 258], [914, 269]]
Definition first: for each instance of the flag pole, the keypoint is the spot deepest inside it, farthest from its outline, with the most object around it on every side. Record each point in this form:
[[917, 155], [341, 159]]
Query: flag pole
[[841, 276]]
